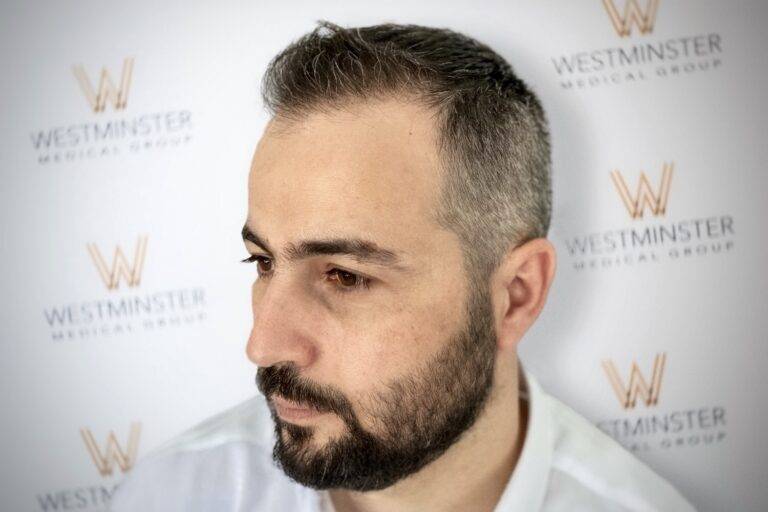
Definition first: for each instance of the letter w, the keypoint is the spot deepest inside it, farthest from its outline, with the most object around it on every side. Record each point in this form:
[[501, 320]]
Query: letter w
[[120, 267], [637, 384], [645, 196], [632, 15], [107, 91], [113, 453]]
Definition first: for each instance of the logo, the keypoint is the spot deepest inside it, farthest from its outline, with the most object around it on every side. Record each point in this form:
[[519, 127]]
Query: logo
[[649, 237], [99, 495], [113, 453], [100, 136], [623, 61], [125, 307], [637, 385], [633, 15], [120, 266], [107, 92], [659, 428], [644, 196]]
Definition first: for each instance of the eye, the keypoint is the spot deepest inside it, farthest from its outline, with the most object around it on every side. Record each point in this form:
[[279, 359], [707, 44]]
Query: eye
[[348, 281], [261, 263]]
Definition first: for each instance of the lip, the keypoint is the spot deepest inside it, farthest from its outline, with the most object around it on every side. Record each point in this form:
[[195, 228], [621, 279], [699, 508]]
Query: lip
[[292, 412]]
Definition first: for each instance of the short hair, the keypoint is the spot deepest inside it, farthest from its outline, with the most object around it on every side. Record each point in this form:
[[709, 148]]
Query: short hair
[[493, 139]]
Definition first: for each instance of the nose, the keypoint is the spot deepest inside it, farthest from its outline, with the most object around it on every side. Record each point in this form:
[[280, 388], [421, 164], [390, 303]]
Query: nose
[[279, 333]]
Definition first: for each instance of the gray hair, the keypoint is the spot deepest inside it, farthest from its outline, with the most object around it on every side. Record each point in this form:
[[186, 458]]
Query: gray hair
[[492, 131]]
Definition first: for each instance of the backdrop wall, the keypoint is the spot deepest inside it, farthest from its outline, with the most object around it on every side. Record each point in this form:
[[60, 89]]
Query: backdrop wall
[[127, 133]]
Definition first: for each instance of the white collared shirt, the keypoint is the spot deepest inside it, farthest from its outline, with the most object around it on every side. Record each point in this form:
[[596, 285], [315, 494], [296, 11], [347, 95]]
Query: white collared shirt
[[225, 465]]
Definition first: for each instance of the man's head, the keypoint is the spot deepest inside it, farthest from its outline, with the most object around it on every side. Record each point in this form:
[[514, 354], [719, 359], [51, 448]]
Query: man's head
[[397, 204]]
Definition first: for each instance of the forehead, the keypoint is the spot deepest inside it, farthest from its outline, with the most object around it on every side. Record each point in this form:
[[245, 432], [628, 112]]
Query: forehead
[[370, 169]]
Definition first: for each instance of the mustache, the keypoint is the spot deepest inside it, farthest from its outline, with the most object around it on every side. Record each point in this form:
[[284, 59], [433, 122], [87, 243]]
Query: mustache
[[286, 381]]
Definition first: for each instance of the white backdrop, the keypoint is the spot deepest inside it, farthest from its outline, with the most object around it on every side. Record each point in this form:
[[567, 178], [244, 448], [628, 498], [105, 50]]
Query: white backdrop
[[125, 313]]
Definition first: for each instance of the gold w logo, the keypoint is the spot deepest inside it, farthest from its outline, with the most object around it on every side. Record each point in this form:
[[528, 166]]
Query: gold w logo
[[107, 91], [645, 196], [637, 384], [120, 267], [113, 454], [633, 15]]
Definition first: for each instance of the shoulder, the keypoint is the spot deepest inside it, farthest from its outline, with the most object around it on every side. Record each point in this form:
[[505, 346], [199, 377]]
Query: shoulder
[[592, 471], [205, 468]]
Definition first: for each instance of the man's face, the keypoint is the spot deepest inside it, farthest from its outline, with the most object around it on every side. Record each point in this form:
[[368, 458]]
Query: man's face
[[363, 315]]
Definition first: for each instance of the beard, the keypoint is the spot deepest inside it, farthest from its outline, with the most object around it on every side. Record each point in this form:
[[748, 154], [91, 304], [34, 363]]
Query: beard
[[417, 417]]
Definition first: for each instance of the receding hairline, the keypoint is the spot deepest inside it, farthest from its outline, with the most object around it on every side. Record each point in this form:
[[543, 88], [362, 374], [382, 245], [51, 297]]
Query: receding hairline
[[491, 130], [280, 126], [284, 120]]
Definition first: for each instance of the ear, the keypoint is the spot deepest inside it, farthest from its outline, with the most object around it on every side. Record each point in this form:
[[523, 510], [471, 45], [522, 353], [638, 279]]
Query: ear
[[519, 288]]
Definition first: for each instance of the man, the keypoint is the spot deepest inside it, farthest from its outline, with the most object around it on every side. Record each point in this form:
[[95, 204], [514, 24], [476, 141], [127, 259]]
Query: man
[[398, 204]]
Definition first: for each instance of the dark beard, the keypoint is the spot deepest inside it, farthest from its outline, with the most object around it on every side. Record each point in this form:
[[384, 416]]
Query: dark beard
[[422, 414]]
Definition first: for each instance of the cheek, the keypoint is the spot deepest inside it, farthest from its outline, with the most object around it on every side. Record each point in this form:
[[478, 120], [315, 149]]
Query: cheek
[[389, 349]]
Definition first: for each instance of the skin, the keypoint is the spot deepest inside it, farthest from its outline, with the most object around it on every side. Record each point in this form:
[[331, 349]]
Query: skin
[[372, 171]]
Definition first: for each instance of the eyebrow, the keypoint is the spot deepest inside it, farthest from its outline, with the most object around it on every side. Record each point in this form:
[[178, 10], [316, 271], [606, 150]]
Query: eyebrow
[[363, 251]]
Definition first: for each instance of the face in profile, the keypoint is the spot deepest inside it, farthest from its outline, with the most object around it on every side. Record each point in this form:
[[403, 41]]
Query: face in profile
[[375, 348]]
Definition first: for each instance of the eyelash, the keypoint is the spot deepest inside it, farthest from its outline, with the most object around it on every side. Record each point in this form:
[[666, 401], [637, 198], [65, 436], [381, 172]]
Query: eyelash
[[362, 282]]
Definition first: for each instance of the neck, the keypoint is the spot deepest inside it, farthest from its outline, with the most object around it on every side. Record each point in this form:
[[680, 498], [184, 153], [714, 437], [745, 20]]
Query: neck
[[471, 474]]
